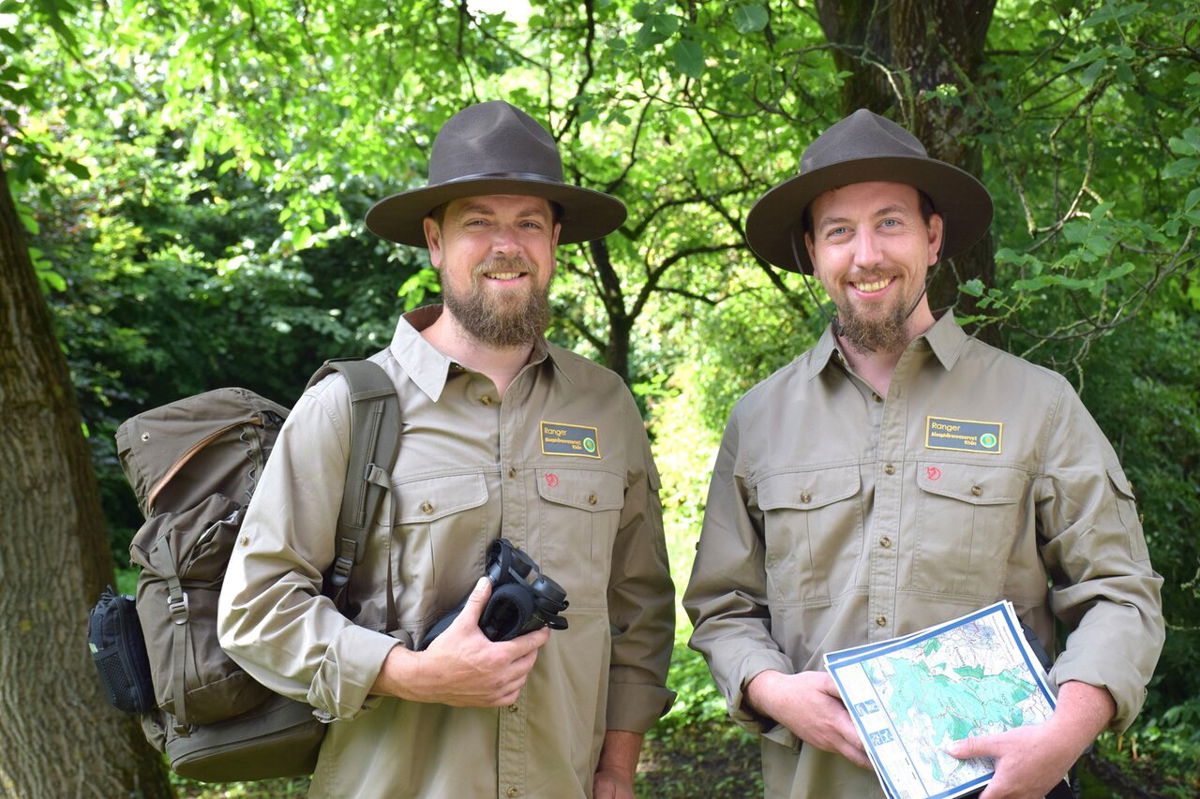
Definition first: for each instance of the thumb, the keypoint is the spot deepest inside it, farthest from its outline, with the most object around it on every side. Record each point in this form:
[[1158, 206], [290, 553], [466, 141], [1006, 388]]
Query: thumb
[[476, 602]]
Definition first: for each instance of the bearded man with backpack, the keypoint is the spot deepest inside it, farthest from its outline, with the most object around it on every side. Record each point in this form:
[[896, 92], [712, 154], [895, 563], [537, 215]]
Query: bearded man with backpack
[[506, 437]]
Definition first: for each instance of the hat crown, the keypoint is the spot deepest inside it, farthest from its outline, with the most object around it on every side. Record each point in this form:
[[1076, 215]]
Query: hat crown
[[493, 139], [861, 135]]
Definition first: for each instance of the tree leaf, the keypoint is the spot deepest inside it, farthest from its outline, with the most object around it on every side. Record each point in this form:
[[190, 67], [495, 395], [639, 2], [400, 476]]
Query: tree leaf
[[749, 18], [689, 57]]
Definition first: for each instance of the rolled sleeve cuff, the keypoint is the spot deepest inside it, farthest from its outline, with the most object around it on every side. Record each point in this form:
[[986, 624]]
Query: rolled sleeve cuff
[[739, 707], [341, 687], [635, 707], [1121, 681]]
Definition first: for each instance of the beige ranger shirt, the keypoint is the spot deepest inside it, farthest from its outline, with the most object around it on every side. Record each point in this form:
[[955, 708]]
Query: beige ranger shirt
[[837, 517], [562, 468]]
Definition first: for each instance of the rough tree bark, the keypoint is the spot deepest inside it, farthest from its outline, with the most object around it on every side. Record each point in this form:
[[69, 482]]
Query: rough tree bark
[[898, 53], [61, 737]]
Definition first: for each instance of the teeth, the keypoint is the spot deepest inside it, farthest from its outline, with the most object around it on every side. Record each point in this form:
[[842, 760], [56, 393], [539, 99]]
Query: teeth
[[869, 287], [504, 275]]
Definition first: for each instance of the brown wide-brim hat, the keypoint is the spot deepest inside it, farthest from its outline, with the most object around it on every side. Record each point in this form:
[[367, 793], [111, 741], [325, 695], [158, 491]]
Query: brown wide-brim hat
[[861, 148], [495, 148]]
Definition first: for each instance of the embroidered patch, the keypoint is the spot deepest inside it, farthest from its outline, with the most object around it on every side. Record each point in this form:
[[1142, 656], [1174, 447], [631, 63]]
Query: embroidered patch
[[570, 439], [963, 435]]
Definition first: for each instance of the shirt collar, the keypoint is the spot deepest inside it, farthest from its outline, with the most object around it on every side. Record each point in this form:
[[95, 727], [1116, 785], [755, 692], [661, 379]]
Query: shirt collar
[[824, 352], [427, 366], [945, 338]]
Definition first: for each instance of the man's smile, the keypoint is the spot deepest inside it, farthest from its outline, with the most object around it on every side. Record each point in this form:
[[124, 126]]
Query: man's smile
[[873, 286]]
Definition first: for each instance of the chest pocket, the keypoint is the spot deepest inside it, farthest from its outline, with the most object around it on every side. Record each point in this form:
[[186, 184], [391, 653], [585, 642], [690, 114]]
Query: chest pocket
[[969, 518], [438, 545], [577, 521], [812, 526]]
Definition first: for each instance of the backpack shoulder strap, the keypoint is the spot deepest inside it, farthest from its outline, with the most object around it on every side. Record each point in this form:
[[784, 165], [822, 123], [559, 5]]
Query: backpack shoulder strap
[[374, 444]]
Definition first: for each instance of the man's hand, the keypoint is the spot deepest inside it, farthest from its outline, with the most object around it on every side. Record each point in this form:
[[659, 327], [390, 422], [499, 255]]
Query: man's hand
[[462, 667], [809, 705], [1031, 760], [618, 765]]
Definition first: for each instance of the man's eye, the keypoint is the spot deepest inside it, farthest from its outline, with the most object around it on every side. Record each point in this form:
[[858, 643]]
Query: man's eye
[[889, 223], [838, 231]]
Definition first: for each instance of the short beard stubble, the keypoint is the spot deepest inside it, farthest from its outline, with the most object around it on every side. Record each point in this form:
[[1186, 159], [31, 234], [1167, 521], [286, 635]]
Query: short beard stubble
[[886, 335], [493, 323]]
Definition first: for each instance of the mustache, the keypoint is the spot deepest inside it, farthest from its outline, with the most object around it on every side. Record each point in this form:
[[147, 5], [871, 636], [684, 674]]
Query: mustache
[[502, 263]]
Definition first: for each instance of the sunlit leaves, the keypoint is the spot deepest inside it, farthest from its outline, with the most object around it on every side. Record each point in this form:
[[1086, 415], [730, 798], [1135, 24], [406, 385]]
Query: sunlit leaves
[[750, 18]]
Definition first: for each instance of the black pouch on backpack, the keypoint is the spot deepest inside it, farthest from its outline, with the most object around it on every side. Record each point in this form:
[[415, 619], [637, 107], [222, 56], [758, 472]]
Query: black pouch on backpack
[[119, 649]]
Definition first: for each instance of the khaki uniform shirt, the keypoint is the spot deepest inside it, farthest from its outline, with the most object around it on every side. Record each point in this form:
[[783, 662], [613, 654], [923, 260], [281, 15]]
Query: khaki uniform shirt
[[837, 517], [562, 468]]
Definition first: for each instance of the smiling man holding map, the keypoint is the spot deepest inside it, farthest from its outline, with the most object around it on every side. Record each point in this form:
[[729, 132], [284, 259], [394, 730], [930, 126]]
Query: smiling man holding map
[[901, 474]]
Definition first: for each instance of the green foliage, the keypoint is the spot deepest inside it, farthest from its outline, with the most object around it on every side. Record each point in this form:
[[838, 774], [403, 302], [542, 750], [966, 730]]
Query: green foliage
[[193, 176]]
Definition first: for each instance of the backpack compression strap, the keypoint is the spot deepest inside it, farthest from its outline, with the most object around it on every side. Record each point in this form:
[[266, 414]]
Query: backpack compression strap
[[374, 443]]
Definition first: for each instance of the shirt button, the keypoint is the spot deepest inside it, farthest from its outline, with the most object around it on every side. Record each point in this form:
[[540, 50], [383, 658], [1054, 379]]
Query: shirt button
[[889, 469], [514, 707], [512, 471], [592, 499], [806, 497], [513, 791], [976, 491], [881, 621], [426, 507], [885, 542], [486, 399], [878, 398]]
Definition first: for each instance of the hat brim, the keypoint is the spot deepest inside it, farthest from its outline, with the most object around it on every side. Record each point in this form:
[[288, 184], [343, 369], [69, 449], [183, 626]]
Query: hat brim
[[963, 203], [586, 215]]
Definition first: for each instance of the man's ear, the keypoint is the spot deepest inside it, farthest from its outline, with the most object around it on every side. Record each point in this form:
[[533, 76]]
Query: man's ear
[[433, 239], [936, 231], [812, 255]]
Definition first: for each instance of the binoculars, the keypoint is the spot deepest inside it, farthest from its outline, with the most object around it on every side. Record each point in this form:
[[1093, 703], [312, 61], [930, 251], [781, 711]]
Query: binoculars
[[523, 599]]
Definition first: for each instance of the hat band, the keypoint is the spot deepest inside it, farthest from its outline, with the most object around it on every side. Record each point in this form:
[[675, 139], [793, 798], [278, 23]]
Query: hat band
[[535, 176]]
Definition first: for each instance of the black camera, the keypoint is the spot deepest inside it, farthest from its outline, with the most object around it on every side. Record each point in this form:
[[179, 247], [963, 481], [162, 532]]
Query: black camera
[[523, 599]]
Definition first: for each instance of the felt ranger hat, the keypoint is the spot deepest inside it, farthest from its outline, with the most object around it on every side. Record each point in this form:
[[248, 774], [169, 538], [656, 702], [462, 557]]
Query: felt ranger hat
[[861, 148], [495, 148]]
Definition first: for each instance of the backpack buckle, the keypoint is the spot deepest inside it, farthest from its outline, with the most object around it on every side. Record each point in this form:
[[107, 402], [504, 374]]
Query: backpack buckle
[[178, 605], [341, 571]]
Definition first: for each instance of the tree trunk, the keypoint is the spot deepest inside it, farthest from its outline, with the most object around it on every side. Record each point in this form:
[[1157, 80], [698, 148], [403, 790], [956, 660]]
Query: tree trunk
[[61, 736], [898, 54], [620, 323]]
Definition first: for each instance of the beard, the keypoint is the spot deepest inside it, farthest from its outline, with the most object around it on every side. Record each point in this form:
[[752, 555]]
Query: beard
[[887, 334], [504, 323]]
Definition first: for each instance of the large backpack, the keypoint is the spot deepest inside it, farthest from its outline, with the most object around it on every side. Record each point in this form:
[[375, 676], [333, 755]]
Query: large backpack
[[193, 465]]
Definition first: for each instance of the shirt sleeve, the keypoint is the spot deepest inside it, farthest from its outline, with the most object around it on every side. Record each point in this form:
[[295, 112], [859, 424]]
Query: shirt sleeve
[[641, 596], [272, 618], [1102, 584], [726, 597]]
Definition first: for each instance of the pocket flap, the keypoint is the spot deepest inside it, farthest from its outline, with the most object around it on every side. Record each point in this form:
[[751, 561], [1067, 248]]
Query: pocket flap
[[978, 485], [427, 500], [808, 490], [1121, 483], [583, 489]]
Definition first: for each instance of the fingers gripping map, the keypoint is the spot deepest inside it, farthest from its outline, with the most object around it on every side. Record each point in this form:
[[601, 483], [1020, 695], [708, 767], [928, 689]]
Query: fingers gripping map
[[911, 697]]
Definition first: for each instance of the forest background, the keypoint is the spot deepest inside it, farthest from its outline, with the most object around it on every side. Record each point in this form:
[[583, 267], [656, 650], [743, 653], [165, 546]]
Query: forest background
[[181, 193]]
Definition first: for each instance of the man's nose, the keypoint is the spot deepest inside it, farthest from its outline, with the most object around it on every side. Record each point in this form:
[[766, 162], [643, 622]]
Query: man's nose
[[504, 239], [866, 250]]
